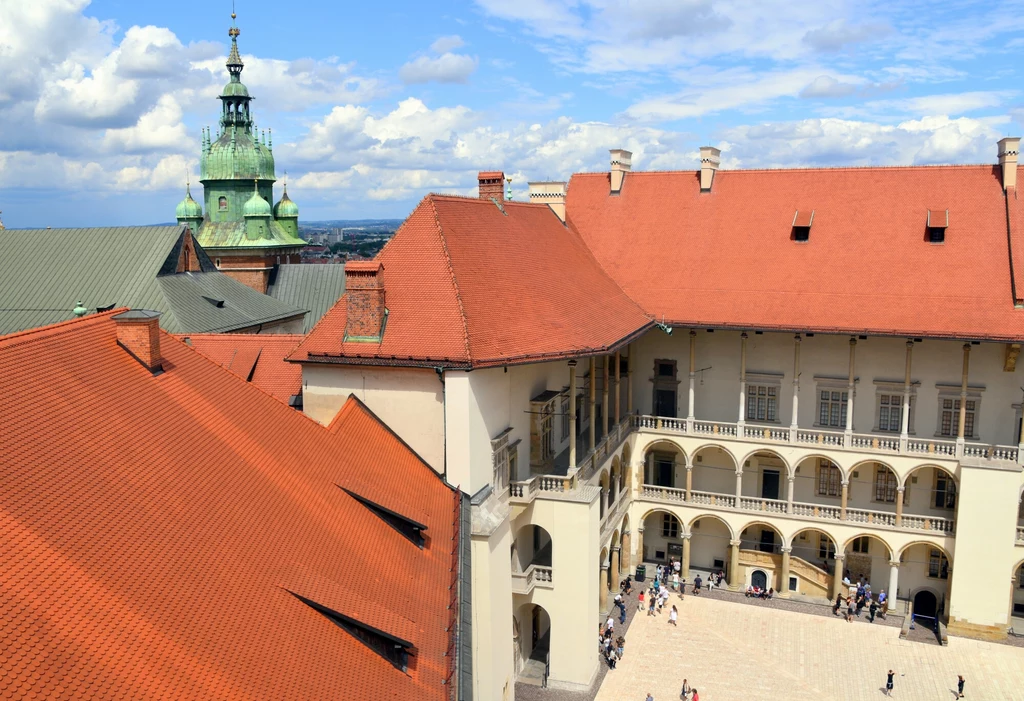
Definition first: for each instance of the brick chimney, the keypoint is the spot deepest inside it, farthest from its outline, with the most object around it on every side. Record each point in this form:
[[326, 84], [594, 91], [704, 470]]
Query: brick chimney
[[710, 157], [550, 193], [364, 301], [622, 163], [138, 332], [492, 184], [1008, 149]]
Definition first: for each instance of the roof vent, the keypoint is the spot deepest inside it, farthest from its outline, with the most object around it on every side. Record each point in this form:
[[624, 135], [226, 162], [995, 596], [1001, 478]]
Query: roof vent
[[937, 223], [552, 194], [710, 159], [622, 163], [413, 530], [1008, 153], [219, 303], [802, 222], [490, 183]]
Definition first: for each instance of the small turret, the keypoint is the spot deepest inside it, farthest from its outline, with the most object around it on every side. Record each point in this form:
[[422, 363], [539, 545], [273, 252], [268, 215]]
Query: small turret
[[189, 212], [286, 213], [257, 215]]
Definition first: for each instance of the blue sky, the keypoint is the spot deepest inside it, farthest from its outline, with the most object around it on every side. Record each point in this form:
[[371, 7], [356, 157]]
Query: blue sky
[[373, 105]]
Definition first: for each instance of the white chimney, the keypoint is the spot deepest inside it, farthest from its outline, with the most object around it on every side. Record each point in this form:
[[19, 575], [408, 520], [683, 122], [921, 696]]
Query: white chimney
[[710, 157], [622, 163], [552, 194], [1008, 149]]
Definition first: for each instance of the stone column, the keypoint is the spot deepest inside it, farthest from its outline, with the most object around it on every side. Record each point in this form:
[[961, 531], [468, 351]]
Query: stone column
[[960, 438], [613, 576], [604, 399], [843, 499], [689, 482], [949, 592], [602, 588], [735, 584], [625, 557], [848, 434], [593, 404], [685, 574], [572, 414], [739, 486], [618, 393], [794, 424], [900, 490], [789, 493], [693, 375], [905, 418], [743, 384], [837, 577], [894, 583], [783, 588], [629, 379], [639, 545]]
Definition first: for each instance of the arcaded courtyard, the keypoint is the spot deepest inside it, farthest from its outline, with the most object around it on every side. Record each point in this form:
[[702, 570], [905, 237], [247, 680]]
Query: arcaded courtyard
[[734, 652]]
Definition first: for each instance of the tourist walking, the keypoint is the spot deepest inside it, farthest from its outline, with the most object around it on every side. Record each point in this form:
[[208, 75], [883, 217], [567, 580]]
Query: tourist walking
[[673, 615], [960, 686], [849, 609], [685, 693], [871, 611], [640, 598], [888, 683], [649, 697], [882, 599], [696, 586], [695, 697]]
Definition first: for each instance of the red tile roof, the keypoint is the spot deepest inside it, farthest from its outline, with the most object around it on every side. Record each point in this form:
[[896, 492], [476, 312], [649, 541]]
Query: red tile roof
[[469, 284], [726, 258], [152, 527], [256, 358]]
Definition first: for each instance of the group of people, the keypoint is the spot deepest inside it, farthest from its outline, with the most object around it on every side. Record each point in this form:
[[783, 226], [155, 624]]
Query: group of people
[[611, 649], [853, 605], [688, 693], [759, 593]]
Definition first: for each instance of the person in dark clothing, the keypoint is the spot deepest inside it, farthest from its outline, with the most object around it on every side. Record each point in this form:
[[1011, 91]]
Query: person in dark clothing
[[960, 686], [839, 604], [888, 683], [871, 611]]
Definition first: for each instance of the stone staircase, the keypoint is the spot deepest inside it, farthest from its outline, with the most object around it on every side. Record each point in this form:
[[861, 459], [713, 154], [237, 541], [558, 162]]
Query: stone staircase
[[815, 583], [534, 669]]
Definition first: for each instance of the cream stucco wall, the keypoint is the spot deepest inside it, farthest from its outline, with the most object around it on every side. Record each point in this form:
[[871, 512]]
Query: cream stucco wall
[[408, 400], [493, 676]]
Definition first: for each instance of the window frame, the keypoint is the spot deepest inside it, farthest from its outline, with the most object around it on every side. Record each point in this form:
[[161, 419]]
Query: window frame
[[894, 388], [222, 204], [834, 384], [826, 548], [937, 563], [769, 381], [564, 409], [670, 528], [950, 392], [861, 545], [819, 469], [895, 489], [950, 492]]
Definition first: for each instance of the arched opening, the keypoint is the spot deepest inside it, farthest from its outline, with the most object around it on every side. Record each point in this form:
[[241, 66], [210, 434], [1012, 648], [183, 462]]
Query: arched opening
[[531, 546], [665, 465], [663, 537], [931, 492], [604, 493], [626, 556], [873, 488], [613, 481], [817, 481], [812, 563], [925, 565], [867, 560], [1017, 598], [714, 472], [925, 603], [764, 475], [761, 537], [759, 579], [534, 642], [710, 539]]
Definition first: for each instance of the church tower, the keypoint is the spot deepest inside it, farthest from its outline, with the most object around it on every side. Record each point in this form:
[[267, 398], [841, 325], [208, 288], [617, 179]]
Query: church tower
[[240, 231]]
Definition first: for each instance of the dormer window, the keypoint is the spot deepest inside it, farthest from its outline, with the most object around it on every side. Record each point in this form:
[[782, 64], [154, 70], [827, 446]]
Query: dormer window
[[222, 204], [412, 530], [802, 221], [937, 223]]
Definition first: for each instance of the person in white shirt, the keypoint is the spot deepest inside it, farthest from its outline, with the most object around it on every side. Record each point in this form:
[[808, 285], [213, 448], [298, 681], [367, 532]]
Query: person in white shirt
[[673, 615], [609, 624]]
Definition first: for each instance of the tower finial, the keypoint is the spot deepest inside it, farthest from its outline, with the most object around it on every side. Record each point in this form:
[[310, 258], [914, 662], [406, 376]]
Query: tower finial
[[234, 59]]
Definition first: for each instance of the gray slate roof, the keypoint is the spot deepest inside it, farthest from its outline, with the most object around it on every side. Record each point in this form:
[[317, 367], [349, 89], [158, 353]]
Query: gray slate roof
[[310, 286], [46, 271]]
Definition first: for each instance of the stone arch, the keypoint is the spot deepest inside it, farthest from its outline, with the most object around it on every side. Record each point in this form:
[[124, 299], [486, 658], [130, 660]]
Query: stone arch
[[812, 550], [813, 529], [604, 492], [627, 453], [658, 471], [705, 446], [742, 462], [906, 483], [532, 545], [714, 469], [871, 461], [615, 538], [875, 536], [928, 543], [534, 631], [951, 473], [683, 528], [759, 544], [614, 481], [689, 526], [626, 545]]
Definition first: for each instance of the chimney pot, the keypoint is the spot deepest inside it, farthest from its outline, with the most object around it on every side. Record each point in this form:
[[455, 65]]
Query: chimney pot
[[364, 301], [1008, 151], [138, 332], [491, 184], [551, 193], [622, 163], [710, 158]]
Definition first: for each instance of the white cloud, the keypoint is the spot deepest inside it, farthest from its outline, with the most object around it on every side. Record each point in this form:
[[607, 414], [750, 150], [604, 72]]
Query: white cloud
[[827, 86], [446, 68], [160, 129], [838, 34], [446, 44]]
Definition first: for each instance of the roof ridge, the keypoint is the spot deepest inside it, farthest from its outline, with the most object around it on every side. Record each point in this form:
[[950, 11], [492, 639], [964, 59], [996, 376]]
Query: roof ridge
[[470, 198], [16, 338], [455, 281], [802, 169]]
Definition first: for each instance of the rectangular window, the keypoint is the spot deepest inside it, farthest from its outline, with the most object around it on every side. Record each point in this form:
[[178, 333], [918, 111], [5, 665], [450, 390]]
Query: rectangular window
[[949, 419], [565, 417], [890, 412], [547, 443], [666, 369], [762, 403], [885, 485], [861, 545], [945, 491], [669, 526], [832, 405], [829, 479], [826, 548], [938, 565]]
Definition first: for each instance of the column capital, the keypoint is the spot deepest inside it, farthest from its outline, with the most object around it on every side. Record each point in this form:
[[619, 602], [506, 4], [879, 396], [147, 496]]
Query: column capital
[[639, 529], [797, 338], [910, 344], [791, 478], [616, 548], [739, 471], [845, 483], [894, 563], [853, 341], [605, 566], [625, 533], [839, 556], [572, 363], [902, 488], [786, 550], [693, 333], [735, 543], [686, 536], [690, 467]]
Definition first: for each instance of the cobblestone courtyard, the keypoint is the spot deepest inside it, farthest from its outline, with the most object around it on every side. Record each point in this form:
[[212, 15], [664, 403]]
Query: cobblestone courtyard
[[738, 653]]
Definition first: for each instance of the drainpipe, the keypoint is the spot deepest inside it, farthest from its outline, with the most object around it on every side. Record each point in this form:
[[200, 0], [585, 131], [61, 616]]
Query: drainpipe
[[444, 423]]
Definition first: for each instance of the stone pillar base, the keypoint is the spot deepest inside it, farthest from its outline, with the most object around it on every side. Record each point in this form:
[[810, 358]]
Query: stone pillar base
[[973, 630]]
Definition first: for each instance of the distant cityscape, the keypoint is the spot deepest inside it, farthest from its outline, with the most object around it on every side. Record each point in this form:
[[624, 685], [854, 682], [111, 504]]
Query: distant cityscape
[[338, 240]]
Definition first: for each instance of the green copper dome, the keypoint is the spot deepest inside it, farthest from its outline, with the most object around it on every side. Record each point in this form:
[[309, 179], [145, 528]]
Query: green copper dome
[[285, 207], [235, 89], [256, 206], [188, 208], [237, 155]]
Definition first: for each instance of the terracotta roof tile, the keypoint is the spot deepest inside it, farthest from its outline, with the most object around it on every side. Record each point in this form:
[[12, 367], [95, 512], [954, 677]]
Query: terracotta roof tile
[[699, 259], [256, 358], [468, 283], [151, 528]]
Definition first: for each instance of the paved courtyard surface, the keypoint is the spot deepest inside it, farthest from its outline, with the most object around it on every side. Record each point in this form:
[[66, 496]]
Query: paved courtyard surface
[[738, 653]]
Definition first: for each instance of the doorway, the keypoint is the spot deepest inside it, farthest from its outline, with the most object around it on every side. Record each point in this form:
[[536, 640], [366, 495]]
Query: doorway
[[925, 603], [769, 484], [759, 580], [664, 470], [664, 402], [767, 544]]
